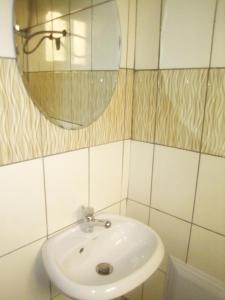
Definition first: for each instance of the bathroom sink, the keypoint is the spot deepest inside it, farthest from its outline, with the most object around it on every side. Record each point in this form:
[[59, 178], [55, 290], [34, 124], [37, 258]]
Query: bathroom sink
[[103, 264]]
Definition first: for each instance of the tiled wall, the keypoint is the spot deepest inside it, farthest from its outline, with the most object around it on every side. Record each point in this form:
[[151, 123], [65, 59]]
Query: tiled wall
[[81, 63], [177, 163], [47, 173], [175, 167]]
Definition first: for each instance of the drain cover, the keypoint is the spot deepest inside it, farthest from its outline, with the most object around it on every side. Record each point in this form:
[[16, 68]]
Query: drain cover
[[104, 269]]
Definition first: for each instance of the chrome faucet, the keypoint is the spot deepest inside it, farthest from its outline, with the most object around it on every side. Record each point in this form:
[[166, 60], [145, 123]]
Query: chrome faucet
[[89, 220]]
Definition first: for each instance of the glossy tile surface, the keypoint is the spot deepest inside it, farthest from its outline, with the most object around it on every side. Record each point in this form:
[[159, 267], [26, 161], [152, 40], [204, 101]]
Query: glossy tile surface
[[66, 177], [110, 126], [147, 34], [137, 211], [186, 33], [20, 135], [22, 205], [105, 175], [213, 141], [144, 105], [22, 275], [174, 234], [207, 252], [126, 168], [174, 181], [140, 172], [210, 198], [180, 108], [218, 49]]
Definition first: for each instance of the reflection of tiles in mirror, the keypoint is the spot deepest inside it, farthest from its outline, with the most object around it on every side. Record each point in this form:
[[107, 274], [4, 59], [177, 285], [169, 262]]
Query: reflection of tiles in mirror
[[77, 97], [26, 134], [20, 131]]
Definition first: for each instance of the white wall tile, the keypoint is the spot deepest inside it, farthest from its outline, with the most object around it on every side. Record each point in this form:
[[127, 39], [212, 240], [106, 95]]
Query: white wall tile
[[140, 171], [105, 37], [6, 29], [22, 275], [131, 34], [174, 180], [137, 211], [207, 251], [123, 9], [174, 233], [147, 35], [210, 199], [22, 205], [126, 166], [66, 178], [154, 286], [218, 50], [114, 209], [186, 33], [123, 208], [105, 174]]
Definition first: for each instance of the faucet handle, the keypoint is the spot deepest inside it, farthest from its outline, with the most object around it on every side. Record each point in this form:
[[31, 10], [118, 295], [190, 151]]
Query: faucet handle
[[88, 211]]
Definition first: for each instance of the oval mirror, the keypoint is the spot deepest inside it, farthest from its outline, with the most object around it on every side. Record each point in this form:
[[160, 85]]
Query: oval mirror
[[68, 53]]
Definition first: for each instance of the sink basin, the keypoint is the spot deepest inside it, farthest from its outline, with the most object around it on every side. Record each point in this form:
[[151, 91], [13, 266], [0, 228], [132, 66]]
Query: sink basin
[[104, 264]]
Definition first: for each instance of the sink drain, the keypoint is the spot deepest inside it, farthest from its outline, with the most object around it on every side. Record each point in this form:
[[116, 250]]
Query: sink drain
[[104, 269]]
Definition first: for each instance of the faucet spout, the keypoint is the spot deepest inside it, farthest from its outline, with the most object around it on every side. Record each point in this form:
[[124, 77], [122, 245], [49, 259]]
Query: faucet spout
[[89, 221]]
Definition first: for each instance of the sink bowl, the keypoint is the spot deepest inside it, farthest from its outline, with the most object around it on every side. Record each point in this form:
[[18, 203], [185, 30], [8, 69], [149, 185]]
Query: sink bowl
[[104, 264]]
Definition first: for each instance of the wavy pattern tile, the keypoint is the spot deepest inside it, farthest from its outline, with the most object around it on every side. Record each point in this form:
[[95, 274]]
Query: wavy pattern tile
[[144, 105], [180, 108], [128, 105], [20, 134], [110, 126], [27, 134], [213, 141]]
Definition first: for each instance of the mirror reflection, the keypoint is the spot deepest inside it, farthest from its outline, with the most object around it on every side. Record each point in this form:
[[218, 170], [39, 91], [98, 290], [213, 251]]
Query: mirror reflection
[[68, 53]]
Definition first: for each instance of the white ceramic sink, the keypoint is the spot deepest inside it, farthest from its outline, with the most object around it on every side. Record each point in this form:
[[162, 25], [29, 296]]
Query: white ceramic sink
[[133, 250]]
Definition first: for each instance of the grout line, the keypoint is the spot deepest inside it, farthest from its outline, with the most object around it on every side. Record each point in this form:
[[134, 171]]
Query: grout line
[[202, 130], [176, 217], [125, 102], [75, 71], [50, 289], [189, 243], [111, 205], [207, 80], [122, 68], [61, 153], [174, 147], [156, 110], [45, 195], [128, 186], [23, 246], [175, 69], [135, 34], [97, 145], [196, 187], [122, 175], [142, 290], [89, 176]]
